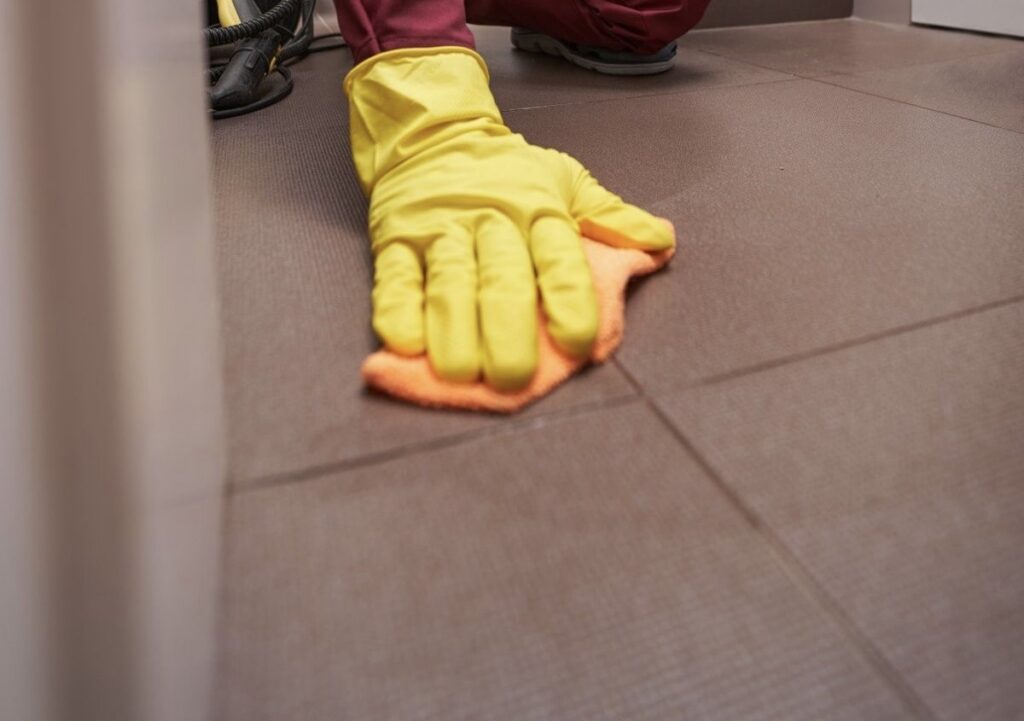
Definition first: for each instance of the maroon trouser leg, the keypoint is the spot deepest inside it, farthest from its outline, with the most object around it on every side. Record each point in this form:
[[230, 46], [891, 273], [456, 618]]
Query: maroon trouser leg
[[640, 26]]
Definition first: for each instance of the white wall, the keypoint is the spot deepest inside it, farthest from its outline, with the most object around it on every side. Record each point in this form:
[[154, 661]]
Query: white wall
[[994, 16]]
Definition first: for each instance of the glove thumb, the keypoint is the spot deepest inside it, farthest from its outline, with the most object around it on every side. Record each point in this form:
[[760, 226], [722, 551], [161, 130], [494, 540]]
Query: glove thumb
[[606, 218]]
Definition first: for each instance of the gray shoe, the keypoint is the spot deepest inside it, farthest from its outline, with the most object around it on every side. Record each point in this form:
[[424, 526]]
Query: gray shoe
[[599, 60]]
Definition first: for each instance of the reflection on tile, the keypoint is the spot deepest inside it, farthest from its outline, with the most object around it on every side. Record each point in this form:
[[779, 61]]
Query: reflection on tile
[[524, 80], [809, 216], [584, 569], [295, 284], [843, 46], [894, 471], [989, 88]]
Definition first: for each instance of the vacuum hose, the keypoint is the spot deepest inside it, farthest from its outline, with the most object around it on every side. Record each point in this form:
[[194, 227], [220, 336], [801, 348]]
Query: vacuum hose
[[255, 76], [250, 28]]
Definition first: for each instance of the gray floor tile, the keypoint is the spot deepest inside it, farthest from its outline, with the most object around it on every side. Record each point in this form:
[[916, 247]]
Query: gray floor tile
[[895, 472], [295, 284], [521, 79], [809, 215], [843, 46], [989, 88], [583, 569]]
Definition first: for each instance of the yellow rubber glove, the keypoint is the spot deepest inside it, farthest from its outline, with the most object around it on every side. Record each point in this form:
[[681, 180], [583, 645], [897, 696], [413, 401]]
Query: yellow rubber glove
[[467, 220]]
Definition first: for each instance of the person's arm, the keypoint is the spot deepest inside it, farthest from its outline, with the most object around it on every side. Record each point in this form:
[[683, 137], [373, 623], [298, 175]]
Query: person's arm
[[467, 220]]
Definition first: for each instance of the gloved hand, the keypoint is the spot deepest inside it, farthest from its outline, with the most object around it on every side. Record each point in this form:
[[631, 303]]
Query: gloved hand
[[467, 219]]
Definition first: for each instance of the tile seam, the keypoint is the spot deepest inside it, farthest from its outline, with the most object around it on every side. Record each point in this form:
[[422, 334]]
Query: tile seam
[[840, 73], [798, 573], [629, 98], [853, 343], [894, 68], [238, 486], [825, 350], [824, 80]]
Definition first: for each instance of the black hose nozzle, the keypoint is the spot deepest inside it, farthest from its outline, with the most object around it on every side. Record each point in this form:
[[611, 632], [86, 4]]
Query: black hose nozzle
[[240, 80]]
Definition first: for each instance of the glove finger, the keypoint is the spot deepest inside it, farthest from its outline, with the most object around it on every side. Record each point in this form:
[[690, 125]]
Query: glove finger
[[398, 299], [508, 305], [451, 317], [566, 287], [605, 217]]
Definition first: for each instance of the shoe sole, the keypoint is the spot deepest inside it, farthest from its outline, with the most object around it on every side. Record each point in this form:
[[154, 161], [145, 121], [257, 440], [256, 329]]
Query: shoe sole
[[538, 43]]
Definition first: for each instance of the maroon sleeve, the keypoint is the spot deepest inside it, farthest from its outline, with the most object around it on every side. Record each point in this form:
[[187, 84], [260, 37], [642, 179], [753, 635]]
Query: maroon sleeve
[[372, 26]]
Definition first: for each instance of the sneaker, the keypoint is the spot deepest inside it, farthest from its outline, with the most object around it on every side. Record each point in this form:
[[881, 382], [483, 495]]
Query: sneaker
[[609, 62]]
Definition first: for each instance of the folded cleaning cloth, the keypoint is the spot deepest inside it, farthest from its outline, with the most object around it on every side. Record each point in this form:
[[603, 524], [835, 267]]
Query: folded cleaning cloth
[[412, 379]]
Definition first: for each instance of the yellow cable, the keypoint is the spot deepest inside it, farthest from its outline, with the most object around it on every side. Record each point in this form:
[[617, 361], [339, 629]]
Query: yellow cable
[[227, 13]]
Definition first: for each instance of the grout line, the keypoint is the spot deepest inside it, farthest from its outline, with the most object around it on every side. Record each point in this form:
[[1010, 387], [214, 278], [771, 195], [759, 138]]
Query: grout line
[[620, 98], [926, 63], [844, 345], [838, 73], [824, 80], [751, 63], [797, 572], [237, 487]]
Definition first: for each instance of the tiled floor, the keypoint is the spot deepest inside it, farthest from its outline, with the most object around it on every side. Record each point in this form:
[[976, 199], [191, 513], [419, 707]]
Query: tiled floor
[[798, 492]]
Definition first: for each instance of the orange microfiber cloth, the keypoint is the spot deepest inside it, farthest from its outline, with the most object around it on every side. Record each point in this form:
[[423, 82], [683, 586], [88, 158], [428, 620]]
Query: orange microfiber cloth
[[412, 379]]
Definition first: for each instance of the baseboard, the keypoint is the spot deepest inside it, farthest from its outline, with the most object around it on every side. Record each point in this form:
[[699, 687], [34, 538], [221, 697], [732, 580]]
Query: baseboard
[[884, 11], [727, 13]]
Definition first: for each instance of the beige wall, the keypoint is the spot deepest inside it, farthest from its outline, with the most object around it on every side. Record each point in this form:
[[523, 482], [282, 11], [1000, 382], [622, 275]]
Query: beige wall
[[111, 434], [886, 11], [23, 556]]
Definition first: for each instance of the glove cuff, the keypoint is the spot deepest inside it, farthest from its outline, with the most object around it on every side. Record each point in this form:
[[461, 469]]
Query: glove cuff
[[406, 102]]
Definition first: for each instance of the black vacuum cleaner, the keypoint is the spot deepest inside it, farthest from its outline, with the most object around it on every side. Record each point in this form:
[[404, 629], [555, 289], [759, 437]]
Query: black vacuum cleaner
[[251, 43]]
